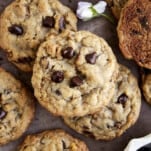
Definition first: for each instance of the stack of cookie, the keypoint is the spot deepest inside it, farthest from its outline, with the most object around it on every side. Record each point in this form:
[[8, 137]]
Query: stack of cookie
[[24, 25], [75, 73], [76, 76]]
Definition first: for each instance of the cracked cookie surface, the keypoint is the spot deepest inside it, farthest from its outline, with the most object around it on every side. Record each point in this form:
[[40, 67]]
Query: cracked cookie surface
[[73, 73], [54, 140], [24, 24], [16, 108], [134, 32], [115, 118]]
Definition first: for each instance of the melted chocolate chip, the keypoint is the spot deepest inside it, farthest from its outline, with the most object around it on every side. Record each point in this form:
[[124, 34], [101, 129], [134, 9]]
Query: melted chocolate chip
[[48, 22], [76, 81], [16, 30], [2, 113], [122, 99], [91, 58], [62, 24], [68, 53], [57, 76]]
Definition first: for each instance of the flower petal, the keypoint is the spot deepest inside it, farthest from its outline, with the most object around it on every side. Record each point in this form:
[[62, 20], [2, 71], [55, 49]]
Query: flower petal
[[83, 12], [82, 5], [100, 6]]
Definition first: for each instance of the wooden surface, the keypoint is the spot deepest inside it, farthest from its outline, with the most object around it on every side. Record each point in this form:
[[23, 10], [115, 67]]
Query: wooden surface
[[44, 120]]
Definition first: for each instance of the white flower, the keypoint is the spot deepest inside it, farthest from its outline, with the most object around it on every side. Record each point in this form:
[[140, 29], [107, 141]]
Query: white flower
[[87, 11]]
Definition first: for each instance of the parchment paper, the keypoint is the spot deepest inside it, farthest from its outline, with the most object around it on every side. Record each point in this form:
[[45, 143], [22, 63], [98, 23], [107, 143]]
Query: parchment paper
[[44, 120]]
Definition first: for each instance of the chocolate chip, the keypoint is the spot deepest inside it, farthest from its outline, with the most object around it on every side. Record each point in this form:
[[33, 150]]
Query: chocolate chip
[[117, 124], [81, 75], [68, 53], [91, 58], [16, 30], [25, 60], [138, 10], [62, 24], [85, 127], [7, 91], [58, 92], [48, 22], [108, 126], [135, 32], [2, 113], [76, 81], [57, 76], [122, 99], [144, 22]]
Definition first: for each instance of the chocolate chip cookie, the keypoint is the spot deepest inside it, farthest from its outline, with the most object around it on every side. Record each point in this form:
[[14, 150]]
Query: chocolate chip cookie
[[54, 140], [116, 117], [73, 73], [24, 24], [116, 6], [16, 108], [134, 32], [147, 88]]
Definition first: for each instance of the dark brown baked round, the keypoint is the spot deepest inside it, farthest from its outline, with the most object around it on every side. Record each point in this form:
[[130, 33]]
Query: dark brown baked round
[[134, 31]]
